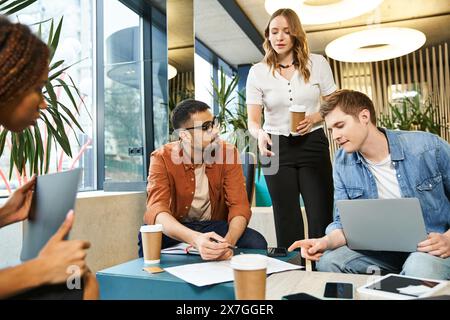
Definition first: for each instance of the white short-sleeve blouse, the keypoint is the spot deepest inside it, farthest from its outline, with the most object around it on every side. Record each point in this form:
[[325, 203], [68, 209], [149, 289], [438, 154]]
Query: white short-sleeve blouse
[[276, 94]]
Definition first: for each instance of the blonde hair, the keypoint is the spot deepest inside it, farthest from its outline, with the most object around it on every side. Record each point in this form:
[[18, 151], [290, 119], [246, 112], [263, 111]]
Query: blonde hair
[[300, 43]]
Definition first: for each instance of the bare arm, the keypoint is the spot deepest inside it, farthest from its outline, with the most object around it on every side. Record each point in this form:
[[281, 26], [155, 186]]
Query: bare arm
[[18, 204], [175, 230], [18, 279], [50, 267], [254, 119], [306, 125], [208, 250], [335, 239], [254, 126], [313, 249], [236, 228]]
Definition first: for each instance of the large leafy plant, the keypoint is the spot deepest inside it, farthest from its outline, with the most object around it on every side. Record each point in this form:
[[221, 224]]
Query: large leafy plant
[[223, 96], [32, 148], [412, 114], [233, 115]]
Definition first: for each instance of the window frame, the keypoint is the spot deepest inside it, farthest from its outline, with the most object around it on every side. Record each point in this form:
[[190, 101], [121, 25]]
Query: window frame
[[147, 14], [150, 15]]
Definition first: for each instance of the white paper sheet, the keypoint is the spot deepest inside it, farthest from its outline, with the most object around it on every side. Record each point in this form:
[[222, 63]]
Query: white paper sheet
[[207, 273]]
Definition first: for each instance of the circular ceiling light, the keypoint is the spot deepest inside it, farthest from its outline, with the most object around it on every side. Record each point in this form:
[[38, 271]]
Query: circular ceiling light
[[375, 44], [172, 72], [324, 11], [274, 5]]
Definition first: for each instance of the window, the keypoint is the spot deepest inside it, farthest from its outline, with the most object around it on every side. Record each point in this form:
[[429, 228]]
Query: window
[[123, 98], [119, 48], [207, 68], [75, 47], [160, 85], [203, 75]]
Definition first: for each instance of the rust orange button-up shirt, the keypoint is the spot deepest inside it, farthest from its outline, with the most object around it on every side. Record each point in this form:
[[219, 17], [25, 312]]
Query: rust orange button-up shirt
[[171, 184]]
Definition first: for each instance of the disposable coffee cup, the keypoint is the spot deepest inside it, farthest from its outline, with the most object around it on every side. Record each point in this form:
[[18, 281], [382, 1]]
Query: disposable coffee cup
[[151, 243], [297, 113], [250, 273]]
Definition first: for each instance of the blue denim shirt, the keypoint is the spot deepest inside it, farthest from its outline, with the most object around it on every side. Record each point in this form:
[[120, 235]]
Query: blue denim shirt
[[422, 163]]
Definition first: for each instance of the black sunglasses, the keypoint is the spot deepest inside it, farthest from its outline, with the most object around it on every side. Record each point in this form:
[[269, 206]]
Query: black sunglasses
[[208, 125]]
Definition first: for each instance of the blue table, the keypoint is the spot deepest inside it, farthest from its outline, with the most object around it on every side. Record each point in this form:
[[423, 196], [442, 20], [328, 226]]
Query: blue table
[[128, 281]]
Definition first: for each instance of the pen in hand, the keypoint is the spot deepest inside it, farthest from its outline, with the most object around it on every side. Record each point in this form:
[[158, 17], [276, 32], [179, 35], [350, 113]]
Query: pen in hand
[[217, 241]]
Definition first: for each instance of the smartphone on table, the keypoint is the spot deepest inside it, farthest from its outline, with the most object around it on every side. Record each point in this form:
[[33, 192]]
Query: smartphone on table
[[276, 252], [338, 290], [299, 296]]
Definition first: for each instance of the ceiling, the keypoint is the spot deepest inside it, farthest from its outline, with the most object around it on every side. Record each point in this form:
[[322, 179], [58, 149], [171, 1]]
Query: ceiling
[[180, 34], [217, 29]]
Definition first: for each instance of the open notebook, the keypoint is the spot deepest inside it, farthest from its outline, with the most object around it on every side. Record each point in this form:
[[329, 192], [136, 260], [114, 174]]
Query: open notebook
[[181, 248]]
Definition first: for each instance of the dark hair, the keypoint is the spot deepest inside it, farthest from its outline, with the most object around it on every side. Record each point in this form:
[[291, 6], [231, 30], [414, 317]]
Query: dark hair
[[183, 111], [23, 60], [350, 102]]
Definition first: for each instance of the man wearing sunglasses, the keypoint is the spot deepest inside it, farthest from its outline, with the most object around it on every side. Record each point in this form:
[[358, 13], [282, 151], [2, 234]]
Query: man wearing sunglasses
[[196, 188]]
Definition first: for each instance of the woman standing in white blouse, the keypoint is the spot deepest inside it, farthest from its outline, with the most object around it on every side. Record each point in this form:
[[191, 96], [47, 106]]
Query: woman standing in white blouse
[[290, 75]]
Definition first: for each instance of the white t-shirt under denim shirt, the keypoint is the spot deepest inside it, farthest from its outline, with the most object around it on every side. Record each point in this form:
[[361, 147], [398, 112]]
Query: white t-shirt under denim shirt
[[386, 178], [276, 94]]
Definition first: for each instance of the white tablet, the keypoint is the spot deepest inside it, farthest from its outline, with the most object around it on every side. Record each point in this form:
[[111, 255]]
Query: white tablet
[[394, 286]]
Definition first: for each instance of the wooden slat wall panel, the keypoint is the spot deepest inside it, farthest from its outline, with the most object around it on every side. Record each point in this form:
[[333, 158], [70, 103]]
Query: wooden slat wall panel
[[426, 69], [184, 80]]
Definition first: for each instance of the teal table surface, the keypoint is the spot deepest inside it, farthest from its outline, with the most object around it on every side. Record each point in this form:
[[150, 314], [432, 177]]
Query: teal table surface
[[129, 281]]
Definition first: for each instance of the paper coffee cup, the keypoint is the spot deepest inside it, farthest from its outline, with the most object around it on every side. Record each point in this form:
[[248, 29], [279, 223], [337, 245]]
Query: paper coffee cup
[[151, 243], [250, 273], [297, 113]]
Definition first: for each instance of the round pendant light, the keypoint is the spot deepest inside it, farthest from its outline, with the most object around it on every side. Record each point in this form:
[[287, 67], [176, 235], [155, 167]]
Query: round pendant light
[[324, 11], [172, 72], [375, 44]]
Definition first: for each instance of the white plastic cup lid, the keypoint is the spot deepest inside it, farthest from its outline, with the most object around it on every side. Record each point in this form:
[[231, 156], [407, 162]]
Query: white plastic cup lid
[[249, 262], [297, 108], [152, 228]]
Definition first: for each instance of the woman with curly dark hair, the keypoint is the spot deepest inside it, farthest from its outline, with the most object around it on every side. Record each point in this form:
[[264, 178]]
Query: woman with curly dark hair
[[24, 60]]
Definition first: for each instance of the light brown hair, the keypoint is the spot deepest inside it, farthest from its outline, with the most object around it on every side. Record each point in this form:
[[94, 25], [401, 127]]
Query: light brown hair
[[300, 43], [23, 60], [350, 102]]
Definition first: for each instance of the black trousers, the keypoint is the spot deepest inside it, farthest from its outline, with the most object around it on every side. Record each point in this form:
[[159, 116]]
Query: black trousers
[[51, 292], [304, 168]]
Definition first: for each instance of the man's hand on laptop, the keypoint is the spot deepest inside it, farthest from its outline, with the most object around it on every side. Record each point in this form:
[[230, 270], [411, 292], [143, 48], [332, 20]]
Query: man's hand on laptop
[[437, 244], [212, 250], [311, 249]]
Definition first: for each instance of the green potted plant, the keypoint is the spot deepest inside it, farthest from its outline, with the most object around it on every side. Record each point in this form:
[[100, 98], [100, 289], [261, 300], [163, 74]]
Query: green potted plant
[[233, 118], [411, 113]]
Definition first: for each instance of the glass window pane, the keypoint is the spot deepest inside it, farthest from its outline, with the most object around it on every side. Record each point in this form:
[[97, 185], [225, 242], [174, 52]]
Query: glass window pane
[[160, 88], [203, 76], [123, 94]]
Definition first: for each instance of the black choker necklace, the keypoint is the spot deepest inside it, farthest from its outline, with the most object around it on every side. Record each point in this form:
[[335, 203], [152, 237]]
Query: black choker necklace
[[287, 65]]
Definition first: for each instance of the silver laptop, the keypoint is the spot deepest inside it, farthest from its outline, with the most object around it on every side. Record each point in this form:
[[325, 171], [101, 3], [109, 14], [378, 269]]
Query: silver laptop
[[382, 224], [54, 196]]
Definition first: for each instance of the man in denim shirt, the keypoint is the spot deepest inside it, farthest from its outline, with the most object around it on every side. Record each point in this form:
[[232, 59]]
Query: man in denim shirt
[[375, 163]]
